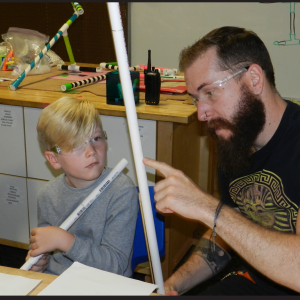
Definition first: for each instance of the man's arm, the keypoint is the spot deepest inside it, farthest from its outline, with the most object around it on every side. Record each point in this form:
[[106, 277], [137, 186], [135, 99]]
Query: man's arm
[[200, 266], [274, 254]]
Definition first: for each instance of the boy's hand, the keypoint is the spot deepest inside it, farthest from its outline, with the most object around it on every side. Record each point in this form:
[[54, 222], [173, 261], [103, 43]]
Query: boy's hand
[[50, 238], [42, 263]]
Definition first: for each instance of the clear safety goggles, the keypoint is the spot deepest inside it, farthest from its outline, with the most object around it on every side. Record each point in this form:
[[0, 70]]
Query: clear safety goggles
[[96, 142], [210, 93]]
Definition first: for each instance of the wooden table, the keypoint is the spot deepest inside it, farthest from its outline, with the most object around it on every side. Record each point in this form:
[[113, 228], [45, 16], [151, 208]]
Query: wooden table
[[179, 135], [46, 278]]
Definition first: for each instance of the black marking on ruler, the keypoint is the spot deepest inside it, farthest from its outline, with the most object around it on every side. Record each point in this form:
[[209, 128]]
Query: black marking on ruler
[[105, 185], [81, 211]]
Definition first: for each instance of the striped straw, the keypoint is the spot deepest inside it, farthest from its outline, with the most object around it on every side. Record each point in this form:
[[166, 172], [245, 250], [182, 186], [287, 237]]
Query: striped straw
[[77, 7], [114, 67], [17, 82], [68, 86]]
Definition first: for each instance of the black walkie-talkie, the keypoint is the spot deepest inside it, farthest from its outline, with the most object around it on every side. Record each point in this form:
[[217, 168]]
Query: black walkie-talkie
[[152, 83]]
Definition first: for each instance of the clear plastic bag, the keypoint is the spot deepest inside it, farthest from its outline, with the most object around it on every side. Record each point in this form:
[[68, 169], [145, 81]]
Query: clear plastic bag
[[53, 58], [4, 49], [6, 42], [27, 44], [5, 54]]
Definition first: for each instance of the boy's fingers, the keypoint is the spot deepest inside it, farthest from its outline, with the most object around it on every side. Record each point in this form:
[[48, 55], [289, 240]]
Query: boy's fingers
[[36, 252], [164, 168], [28, 255]]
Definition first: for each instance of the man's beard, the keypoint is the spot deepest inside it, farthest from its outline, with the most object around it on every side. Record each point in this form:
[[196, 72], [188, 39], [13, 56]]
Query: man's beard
[[234, 153]]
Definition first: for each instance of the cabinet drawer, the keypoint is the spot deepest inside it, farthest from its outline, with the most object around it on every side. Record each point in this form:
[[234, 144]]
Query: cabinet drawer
[[33, 186], [119, 145], [14, 224], [12, 146]]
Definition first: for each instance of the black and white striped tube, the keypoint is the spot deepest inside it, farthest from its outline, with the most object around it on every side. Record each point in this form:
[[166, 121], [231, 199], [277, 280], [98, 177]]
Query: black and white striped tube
[[112, 67], [78, 68], [68, 86]]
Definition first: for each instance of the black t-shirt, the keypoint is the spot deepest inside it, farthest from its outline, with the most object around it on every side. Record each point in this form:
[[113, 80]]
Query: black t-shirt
[[269, 193]]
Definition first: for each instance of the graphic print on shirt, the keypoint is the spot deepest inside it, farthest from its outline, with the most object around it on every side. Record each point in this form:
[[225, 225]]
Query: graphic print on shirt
[[260, 197]]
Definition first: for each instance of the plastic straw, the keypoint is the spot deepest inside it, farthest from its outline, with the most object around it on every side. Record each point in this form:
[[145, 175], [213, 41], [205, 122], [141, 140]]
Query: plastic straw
[[114, 67], [85, 204], [77, 7], [68, 47], [68, 86], [65, 27], [79, 69], [120, 49]]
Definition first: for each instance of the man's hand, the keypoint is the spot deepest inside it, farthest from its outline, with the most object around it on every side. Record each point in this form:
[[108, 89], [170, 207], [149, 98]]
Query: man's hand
[[42, 263], [169, 291], [48, 239], [178, 193]]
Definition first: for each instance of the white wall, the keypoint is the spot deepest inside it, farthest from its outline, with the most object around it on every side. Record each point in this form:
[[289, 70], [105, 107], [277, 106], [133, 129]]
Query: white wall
[[166, 28]]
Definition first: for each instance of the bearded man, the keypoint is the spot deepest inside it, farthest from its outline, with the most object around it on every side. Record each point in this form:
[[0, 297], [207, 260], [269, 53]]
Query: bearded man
[[230, 78]]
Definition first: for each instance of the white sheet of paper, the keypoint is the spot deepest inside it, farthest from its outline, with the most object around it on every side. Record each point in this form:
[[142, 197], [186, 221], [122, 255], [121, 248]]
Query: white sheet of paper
[[16, 285], [80, 279]]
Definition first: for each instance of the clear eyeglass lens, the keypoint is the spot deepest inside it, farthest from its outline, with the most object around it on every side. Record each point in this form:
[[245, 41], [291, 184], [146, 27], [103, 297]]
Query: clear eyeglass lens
[[208, 94], [96, 142], [78, 150], [211, 93]]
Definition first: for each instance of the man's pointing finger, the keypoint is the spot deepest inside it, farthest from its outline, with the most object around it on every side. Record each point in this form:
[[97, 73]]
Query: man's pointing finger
[[162, 167]]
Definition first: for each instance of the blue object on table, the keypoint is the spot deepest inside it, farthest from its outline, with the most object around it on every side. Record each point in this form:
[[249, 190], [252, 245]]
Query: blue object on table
[[114, 94], [139, 246]]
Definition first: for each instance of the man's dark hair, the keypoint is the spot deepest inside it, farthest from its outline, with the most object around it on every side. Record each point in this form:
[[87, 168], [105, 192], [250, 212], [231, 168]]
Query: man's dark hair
[[236, 48]]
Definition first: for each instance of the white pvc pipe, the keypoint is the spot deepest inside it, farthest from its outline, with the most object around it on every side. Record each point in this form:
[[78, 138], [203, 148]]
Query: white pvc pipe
[[122, 59], [81, 208]]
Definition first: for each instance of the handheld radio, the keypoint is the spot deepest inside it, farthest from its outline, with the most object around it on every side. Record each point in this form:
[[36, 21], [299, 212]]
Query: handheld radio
[[152, 83]]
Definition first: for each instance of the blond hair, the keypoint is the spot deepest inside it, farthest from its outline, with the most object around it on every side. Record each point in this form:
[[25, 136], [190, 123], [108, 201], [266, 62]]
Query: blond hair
[[67, 123]]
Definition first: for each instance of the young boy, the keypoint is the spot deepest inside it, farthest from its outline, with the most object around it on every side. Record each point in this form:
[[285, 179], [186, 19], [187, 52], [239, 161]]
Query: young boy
[[70, 131]]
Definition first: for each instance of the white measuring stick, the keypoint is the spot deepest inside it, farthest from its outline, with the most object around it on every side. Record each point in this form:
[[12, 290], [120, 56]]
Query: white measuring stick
[[85, 204], [123, 65]]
